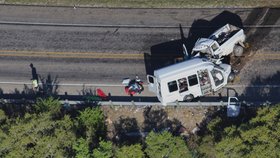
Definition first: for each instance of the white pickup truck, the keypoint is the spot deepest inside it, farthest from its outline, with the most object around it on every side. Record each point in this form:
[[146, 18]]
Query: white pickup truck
[[224, 41]]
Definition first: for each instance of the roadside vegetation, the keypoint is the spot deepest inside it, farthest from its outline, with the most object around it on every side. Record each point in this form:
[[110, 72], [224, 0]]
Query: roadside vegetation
[[47, 129], [150, 3], [253, 134]]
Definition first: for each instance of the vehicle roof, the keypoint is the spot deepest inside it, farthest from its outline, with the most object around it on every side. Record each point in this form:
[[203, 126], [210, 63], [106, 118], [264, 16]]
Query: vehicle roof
[[191, 65]]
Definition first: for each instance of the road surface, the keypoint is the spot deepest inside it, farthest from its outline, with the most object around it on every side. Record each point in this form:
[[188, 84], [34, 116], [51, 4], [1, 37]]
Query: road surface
[[86, 48]]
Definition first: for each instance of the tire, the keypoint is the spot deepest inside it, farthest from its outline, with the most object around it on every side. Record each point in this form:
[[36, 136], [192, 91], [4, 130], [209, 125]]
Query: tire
[[188, 98], [238, 50], [231, 77]]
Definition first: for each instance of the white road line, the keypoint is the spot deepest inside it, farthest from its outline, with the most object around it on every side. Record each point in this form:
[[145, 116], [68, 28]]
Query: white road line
[[66, 84], [120, 85], [116, 26], [252, 86], [263, 16]]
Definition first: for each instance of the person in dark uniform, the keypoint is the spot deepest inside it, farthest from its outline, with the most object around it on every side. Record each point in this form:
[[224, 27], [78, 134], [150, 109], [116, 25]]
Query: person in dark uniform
[[34, 76]]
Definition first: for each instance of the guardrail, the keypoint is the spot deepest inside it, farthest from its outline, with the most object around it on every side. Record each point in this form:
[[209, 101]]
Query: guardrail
[[128, 101], [133, 103]]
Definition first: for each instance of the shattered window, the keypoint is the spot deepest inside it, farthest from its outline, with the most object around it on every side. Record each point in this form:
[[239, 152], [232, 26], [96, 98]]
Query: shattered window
[[183, 85]]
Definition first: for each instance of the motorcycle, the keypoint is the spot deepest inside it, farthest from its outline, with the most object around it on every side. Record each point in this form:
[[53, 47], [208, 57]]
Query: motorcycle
[[133, 86]]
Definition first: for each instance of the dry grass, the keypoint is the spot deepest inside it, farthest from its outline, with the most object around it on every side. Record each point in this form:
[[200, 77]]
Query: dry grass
[[151, 3], [156, 117]]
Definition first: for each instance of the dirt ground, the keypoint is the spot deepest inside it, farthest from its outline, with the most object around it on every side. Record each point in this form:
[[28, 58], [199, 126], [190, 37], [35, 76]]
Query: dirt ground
[[129, 120]]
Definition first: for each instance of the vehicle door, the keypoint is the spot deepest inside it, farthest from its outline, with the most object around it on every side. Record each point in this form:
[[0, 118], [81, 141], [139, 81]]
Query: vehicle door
[[218, 78], [194, 87], [216, 49], [233, 107], [172, 93], [152, 83]]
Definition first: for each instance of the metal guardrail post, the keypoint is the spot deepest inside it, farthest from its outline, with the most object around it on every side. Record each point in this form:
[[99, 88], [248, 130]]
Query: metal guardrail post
[[111, 104]]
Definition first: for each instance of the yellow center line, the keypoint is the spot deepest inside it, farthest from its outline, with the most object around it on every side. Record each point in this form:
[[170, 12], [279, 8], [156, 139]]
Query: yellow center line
[[96, 55], [67, 53], [266, 56], [85, 57], [91, 55]]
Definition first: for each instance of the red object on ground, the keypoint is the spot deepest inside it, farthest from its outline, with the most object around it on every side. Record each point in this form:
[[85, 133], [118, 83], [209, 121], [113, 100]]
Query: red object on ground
[[101, 94], [128, 91]]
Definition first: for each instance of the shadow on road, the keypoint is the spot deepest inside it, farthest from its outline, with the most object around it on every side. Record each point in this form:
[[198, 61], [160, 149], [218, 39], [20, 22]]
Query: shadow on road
[[256, 37], [261, 17], [168, 53], [262, 89]]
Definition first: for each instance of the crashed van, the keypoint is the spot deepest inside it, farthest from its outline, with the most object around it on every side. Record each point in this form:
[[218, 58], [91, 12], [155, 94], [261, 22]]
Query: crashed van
[[189, 79]]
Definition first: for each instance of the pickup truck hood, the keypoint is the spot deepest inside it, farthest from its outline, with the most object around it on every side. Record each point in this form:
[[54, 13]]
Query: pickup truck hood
[[202, 44], [226, 67]]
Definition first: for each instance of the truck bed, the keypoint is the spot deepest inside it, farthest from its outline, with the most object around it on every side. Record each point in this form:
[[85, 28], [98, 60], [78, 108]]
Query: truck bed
[[224, 33]]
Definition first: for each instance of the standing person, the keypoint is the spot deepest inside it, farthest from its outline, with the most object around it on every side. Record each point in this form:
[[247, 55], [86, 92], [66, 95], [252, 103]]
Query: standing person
[[34, 73], [34, 78]]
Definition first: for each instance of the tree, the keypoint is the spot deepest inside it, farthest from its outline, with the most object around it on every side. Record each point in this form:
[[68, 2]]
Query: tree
[[214, 126], [3, 135], [3, 116], [51, 105], [163, 144], [105, 150], [38, 136], [81, 148], [93, 120], [132, 151], [260, 137]]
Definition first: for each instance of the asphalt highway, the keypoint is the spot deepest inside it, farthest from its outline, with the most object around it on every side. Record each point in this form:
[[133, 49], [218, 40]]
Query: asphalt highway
[[98, 47]]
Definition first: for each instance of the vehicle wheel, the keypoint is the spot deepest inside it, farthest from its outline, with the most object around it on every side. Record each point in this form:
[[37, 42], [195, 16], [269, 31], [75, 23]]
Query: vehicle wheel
[[188, 98], [231, 77], [238, 50]]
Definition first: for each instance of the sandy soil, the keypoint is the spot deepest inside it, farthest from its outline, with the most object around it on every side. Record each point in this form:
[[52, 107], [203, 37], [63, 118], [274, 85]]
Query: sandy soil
[[138, 121]]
